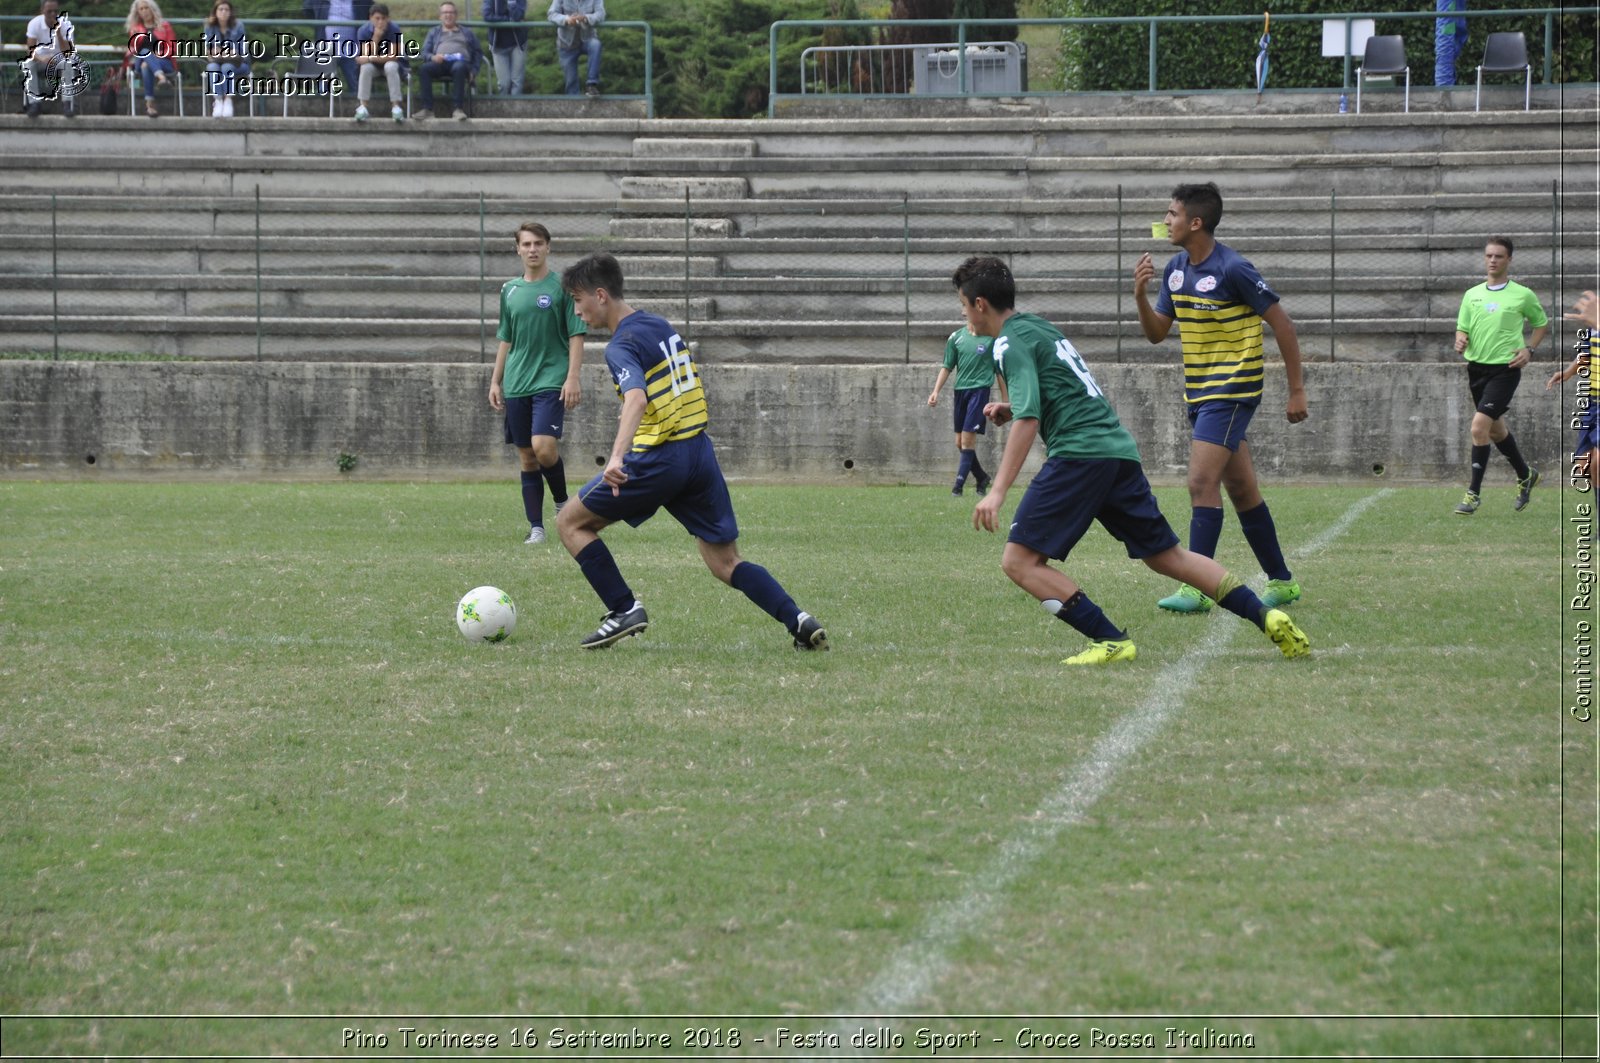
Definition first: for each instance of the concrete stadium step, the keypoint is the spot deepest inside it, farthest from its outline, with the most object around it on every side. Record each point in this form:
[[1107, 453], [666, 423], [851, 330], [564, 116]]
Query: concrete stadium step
[[464, 339]]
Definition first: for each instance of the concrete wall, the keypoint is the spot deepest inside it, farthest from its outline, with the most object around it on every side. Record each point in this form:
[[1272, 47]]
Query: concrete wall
[[844, 424]]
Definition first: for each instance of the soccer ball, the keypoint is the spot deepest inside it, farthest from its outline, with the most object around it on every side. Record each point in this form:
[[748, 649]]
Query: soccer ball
[[486, 614]]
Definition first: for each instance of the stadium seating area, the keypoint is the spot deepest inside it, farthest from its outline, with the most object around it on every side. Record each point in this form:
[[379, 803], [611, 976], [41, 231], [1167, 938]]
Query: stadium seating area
[[806, 240]]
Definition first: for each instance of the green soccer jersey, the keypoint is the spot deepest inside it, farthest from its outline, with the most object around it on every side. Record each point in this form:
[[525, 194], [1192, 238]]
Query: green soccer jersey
[[1047, 380], [968, 356], [1493, 319], [538, 320]]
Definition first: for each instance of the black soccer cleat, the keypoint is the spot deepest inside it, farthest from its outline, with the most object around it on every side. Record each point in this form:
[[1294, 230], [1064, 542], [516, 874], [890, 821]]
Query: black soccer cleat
[[809, 633], [617, 626]]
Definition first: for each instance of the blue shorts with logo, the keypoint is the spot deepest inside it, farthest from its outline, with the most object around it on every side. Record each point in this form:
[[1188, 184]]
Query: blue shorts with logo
[[540, 414], [683, 477], [1588, 432], [969, 409], [1069, 494], [1221, 421]]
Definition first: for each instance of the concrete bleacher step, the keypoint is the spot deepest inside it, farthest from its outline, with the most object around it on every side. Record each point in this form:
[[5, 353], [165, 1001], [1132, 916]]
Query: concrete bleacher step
[[466, 339], [798, 232]]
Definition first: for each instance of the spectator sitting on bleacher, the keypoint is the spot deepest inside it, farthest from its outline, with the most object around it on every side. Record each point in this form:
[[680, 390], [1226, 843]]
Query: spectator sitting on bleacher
[[378, 45], [449, 51], [225, 50], [152, 47], [48, 37], [509, 47]]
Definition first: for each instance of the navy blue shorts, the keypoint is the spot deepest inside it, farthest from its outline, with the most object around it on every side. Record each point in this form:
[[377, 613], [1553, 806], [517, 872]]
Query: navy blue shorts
[[1588, 433], [683, 477], [1220, 421], [1068, 494], [540, 414], [969, 409]]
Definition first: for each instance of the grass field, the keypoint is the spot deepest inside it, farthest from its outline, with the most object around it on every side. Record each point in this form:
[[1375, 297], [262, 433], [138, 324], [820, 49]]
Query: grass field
[[247, 767]]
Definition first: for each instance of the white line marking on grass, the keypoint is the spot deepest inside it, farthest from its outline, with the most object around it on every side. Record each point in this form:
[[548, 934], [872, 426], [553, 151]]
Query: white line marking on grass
[[916, 966]]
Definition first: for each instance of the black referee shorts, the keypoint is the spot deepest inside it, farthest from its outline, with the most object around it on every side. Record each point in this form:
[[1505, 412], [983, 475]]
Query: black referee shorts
[[1492, 387]]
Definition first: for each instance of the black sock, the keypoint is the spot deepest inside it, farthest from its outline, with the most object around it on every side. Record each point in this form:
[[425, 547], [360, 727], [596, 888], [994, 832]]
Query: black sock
[[977, 468], [533, 497], [1480, 461], [1089, 619], [1508, 447], [556, 476], [600, 569]]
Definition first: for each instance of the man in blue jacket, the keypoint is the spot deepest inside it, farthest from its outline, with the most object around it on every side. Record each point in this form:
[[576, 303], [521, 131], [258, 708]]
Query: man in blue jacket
[[449, 51], [508, 45], [342, 38]]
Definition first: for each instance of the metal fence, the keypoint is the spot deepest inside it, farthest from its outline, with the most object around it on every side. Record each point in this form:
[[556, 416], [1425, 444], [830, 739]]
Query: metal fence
[[1364, 277], [856, 61]]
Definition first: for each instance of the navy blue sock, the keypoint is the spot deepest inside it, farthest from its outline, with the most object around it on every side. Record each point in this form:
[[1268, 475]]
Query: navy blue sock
[[757, 584], [600, 569], [1480, 461], [977, 468], [1242, 601], [533, 497], [1205, 528], [556, 476], [1262, 535], [1088, 619], [1508, 447], [968, 457]]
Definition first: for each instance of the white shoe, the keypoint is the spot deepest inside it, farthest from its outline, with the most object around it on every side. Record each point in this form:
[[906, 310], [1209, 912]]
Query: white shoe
[[216, 107], [227, 107], [535, 535], [362, 114], [397, 114], [459, 114]]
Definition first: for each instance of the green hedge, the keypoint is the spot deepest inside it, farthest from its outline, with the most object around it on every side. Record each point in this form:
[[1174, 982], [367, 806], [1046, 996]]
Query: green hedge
[[1222, 55]]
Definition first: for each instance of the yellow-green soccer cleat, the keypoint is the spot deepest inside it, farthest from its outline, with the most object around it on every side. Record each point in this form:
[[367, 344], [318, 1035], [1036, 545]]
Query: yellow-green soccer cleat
[[1468, 505], [1105, 652], [1280, 592], [1525, 489], [1286, 634], [1186, 600]]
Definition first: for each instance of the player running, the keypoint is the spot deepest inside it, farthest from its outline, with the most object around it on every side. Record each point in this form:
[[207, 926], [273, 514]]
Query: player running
[[661, 457], [1091, 472]]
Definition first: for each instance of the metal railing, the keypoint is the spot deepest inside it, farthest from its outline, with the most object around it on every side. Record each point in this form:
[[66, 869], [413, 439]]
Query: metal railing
[[1360, 276], [960, 28]]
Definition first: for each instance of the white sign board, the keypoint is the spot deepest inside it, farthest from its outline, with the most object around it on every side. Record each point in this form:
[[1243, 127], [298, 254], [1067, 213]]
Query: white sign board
[[1333, 37]]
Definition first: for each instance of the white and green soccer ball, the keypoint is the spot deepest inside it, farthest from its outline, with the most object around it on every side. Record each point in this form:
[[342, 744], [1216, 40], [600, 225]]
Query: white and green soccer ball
[[486, 614]]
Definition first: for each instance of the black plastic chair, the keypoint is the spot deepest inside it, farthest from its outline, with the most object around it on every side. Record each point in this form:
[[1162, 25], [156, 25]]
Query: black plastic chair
[[1506, 53], [1385, 57]]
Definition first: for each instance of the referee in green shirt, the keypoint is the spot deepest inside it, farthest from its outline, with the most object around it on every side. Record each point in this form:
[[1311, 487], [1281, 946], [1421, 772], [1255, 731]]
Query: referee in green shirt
[[1489, 335]]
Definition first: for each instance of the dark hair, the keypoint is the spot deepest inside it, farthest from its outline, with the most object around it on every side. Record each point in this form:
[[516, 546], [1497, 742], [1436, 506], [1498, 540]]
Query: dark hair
[[593, 272], [988, 277], [379, 9], [1503, 241], [1201, 201], [532, 227]]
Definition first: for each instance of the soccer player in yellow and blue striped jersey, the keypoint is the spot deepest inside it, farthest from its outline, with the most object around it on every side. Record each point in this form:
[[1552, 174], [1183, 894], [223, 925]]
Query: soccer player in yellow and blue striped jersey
[[1219, 302], [661, 458], [1586, 418]]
